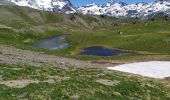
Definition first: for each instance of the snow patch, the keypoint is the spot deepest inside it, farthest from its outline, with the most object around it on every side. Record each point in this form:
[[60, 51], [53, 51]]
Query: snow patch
[[153, 69]]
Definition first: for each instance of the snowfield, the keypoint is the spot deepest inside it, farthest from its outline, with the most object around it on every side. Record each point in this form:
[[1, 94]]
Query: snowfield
[[153, 69]]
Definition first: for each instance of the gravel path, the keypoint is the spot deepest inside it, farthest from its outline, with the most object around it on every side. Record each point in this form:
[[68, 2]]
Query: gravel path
[[12, 55]]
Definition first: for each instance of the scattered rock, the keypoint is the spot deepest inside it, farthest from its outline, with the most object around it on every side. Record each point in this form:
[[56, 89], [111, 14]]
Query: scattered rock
[[167, 78], [75, 97], [61, 63], [121, 33], [18, 83], [148, 85], [108, 82], [24, 83], [116, 94], [57, 78], [1, 77], [50, 81], [26, 41]]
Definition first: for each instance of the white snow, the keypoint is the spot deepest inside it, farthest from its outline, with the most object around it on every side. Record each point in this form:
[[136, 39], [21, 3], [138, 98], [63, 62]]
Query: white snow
[[37, 4], [110, 9], [153, 69], [119, 10], [60, 4], [47, 5]]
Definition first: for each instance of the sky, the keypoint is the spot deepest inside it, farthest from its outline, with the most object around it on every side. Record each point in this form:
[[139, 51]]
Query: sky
[[79, 3]]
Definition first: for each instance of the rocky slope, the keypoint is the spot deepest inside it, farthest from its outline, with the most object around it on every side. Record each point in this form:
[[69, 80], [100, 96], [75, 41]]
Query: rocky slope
[[127, 10], [119, 10], [48, 5]]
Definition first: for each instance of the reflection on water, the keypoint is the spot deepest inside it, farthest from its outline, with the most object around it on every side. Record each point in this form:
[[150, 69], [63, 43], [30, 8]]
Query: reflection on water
[[53, 43]]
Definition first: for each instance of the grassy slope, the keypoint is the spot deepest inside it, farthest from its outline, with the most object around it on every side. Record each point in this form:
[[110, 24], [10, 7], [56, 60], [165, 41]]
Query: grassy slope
[[81, 84], [21, 26]]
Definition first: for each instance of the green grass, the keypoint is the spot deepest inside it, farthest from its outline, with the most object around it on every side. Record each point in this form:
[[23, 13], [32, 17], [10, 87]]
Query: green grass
[[23, 26], [149, 36], [82, 83]]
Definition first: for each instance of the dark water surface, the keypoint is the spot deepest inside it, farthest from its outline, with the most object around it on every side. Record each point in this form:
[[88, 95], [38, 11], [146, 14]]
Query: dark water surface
[[101, 51], [53, 43]]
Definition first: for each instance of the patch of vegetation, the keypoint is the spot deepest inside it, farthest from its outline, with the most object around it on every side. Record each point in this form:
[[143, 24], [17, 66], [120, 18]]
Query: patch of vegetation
[[82, 84], [151, 37]]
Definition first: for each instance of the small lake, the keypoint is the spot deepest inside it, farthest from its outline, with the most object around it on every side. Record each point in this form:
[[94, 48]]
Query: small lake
[[101, 51], [53, 43]]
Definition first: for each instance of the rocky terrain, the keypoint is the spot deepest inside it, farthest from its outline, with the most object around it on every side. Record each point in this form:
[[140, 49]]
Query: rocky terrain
[[30, 73], [48, 5], [13, 55], [116, 9], [123, 10]]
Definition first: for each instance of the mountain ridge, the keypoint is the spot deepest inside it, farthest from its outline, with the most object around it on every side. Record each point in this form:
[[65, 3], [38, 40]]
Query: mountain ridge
[[118, 10], [124, 10], [47, 5]]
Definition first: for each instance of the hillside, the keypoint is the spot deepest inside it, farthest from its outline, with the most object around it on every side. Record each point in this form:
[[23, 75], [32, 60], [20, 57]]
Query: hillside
[[32, 73], [23, 17], [137, 35]]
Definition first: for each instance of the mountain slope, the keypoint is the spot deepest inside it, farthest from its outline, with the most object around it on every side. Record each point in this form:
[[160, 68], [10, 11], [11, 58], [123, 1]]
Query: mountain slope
[[127, 10], [6, 2], [119, 10], [22, 26], [48, 5], [26, 19]]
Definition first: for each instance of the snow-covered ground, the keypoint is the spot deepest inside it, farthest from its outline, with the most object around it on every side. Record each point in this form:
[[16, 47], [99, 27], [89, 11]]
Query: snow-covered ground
[[153, 69]]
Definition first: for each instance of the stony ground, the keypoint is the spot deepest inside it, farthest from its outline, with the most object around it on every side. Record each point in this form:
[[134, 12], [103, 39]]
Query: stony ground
[[11, 55], [23, 82], [30, 75]]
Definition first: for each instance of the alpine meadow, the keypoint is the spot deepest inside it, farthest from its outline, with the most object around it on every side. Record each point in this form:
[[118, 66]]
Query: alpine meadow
[[51, 50]]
